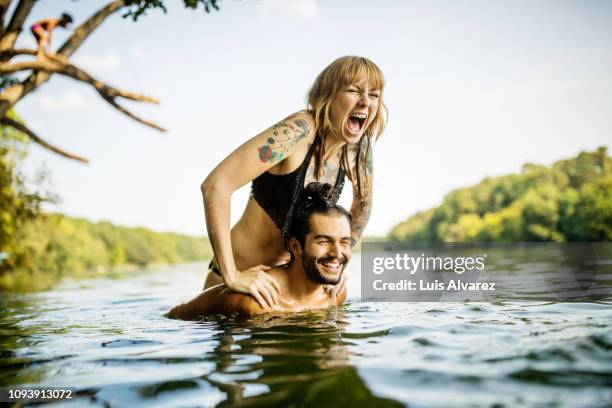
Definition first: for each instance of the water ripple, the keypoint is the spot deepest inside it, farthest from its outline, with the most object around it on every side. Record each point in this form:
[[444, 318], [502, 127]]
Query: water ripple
[[114, 344]]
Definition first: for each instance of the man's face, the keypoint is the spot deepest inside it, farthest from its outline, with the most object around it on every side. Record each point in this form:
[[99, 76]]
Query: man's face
[[327, 248]]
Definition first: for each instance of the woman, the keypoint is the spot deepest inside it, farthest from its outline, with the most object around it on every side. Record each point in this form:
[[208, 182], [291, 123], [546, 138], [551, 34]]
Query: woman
[[332, 139], [42, 30]]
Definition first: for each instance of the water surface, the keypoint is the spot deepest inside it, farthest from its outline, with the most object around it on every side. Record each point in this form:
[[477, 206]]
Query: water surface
[[110, 340]]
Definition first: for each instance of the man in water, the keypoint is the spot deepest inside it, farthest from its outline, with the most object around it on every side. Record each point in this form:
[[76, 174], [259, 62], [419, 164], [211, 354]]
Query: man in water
[[319, 242]]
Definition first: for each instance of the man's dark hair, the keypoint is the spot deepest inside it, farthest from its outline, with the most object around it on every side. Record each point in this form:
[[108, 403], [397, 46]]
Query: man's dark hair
[[66, 18], [314, 199]]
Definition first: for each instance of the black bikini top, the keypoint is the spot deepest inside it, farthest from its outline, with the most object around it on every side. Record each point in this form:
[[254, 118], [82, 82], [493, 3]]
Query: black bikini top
[[277, 194]]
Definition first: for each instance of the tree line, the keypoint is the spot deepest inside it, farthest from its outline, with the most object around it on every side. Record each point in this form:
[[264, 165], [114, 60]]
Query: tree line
[[38, 249], [570, 201]]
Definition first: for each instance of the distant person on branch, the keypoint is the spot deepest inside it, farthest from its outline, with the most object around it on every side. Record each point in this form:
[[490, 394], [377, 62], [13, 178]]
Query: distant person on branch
[[43, 29]]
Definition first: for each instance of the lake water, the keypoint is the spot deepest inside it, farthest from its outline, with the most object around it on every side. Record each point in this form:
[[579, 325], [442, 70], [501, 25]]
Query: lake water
[[110, 341]]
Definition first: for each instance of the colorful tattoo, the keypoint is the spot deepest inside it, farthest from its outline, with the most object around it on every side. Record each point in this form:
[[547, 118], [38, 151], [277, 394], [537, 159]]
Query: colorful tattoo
[[362, 207], [369, 160], [329, 175], [360, 211], [284, 137]]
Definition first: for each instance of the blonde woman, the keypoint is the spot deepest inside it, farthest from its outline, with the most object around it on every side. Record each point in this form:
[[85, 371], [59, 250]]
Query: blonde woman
[[330, 141]]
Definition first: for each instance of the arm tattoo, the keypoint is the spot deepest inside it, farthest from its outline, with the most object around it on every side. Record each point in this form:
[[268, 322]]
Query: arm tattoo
[[284, 137], [362, 207], [360, 210], [369, 160]]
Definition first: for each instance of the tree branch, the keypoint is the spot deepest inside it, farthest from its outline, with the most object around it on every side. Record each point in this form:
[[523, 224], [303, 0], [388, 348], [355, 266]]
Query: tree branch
[[16, 92], [6, 55], [4, 5], [22, 128], [57, 64], [84, 30], [123, 110], [27, 65], [14, 27]]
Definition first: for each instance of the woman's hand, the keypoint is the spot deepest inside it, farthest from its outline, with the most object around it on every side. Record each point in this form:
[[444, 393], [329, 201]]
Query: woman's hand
[[257, 283]]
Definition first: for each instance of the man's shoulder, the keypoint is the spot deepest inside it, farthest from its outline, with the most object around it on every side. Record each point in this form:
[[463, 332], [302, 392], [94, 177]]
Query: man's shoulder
[[241, 303]]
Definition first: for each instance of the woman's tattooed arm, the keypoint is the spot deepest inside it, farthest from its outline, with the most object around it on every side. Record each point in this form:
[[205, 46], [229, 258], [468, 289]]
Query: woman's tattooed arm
[[286, 134], [362, 206]]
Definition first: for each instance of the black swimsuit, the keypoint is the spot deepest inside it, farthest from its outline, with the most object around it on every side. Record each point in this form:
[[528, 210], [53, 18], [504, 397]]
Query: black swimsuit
[[277, 194]]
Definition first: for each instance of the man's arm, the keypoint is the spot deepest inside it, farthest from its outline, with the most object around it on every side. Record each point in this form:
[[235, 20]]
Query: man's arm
[[216, 300]]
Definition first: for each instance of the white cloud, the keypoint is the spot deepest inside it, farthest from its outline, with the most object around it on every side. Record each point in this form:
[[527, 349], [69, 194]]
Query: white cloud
[[305, 8], [92, 62], [66, 100]]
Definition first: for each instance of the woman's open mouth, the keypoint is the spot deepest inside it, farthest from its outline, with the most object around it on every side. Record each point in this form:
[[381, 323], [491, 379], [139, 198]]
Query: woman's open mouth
[[356, 123]]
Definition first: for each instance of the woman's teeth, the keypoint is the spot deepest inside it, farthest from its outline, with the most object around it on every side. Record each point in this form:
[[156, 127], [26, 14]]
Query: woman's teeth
[[355, 124]]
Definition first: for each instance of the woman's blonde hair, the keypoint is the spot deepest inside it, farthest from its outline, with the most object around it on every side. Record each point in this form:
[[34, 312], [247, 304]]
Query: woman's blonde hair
[[343, 72]]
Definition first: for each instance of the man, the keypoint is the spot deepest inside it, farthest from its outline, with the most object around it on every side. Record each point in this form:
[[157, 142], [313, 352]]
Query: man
[[319, 242]]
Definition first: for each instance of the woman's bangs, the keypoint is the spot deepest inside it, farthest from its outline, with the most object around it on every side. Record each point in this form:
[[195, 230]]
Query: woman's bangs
[[353, 73]]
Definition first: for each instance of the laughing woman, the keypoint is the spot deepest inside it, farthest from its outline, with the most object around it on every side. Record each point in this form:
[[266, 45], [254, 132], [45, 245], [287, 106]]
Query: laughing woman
[[329, 141]]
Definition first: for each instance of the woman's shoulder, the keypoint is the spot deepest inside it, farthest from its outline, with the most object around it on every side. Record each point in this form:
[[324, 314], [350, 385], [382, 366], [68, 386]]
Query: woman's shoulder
[[297, 128], [304, 120], [303, 114]]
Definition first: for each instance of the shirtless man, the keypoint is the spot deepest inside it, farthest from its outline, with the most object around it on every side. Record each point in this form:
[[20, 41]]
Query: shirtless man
[[320, 245]]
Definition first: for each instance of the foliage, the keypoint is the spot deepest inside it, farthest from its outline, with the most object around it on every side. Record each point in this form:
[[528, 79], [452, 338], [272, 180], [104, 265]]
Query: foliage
[[137, 8], [18, 205], [570, 201], [43, 248], [6, 81], [56, 246]]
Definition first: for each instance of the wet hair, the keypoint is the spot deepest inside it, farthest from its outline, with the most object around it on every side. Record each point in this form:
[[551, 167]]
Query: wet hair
[[66, 18], [343, 72], [315, 199]]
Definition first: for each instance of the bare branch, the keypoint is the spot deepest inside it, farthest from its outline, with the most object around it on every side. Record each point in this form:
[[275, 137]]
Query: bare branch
[[56, 64], [14, 27], [6, 55], [22, 128], [4, 5], [123, 110], [102, 88], [27, 65], [13, 94], [84, 30]]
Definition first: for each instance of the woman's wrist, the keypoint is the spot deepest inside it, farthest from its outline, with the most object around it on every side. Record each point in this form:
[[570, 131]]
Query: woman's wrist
[[229, 278]]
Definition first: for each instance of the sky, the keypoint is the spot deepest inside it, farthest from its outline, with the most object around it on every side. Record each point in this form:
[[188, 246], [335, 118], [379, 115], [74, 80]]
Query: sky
[[474, 89]]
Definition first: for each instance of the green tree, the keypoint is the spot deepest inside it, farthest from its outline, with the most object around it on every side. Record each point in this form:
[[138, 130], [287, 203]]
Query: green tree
[[19, 202], [570, 201], [587, 213]]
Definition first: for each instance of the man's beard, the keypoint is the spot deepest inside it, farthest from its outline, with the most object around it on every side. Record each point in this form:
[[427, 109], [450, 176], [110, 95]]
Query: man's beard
[[310, 267]]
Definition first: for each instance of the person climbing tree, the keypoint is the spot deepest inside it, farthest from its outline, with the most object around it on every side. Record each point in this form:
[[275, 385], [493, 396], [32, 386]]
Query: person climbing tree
[[42, 30]]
